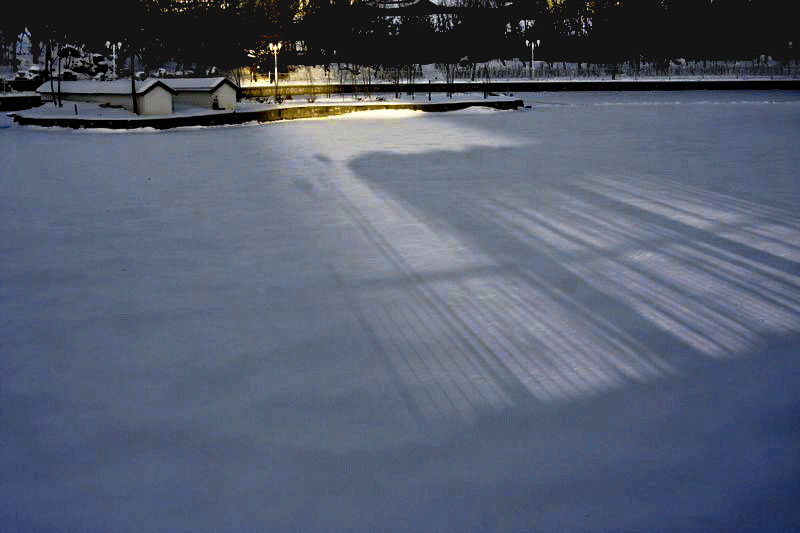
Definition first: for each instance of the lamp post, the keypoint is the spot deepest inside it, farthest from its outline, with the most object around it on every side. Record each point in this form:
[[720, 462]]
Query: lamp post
[[114, 47], [252, 55], [275, 48], [532, 44]]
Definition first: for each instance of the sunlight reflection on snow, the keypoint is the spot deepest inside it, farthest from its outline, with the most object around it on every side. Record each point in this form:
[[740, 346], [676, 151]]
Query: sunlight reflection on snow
[[379, 114]]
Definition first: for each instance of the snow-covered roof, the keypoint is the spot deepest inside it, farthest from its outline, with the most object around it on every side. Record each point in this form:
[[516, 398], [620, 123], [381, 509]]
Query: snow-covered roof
[[104, 87], [198, 84], [392, 4]]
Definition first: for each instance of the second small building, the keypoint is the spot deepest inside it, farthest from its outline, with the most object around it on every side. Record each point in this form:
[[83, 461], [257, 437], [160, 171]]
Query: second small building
[[210, 93]]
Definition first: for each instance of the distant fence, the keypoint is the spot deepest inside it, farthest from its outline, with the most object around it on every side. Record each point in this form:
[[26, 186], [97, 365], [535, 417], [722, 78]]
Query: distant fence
[[421, 90], [519, 70], [514, 70]]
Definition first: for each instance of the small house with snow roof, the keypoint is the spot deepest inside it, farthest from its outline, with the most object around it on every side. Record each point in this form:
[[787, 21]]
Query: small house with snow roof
[[210, 93], [153, 96]]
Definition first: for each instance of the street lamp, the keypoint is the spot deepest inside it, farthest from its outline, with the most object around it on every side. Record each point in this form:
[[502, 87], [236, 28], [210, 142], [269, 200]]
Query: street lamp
[[114, 47], [275, 48], [252, 55], [532, 44]]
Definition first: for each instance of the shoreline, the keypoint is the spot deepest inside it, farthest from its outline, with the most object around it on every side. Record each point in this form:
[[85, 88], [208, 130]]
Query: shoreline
[[263, 115]]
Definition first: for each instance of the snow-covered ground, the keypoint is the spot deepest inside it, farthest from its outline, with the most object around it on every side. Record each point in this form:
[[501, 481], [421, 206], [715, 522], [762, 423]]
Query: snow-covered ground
[[20, 94], [583, 317], [87, 110]]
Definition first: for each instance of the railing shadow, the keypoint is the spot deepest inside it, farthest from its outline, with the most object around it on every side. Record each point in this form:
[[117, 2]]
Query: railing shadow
[[508, 292]]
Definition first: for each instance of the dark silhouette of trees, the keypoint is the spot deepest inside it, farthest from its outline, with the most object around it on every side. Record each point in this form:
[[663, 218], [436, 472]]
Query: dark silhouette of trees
[[201, 34]]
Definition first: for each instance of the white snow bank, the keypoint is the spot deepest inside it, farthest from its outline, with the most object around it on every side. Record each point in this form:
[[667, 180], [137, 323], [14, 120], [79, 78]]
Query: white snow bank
[[21, 94], [90, 110]]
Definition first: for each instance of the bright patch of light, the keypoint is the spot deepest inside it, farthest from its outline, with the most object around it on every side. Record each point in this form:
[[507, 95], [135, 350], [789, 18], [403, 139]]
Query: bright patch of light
[[380, 114]]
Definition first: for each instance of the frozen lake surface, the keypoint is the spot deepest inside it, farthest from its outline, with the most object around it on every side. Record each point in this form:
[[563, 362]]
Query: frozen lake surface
[[580, 317]]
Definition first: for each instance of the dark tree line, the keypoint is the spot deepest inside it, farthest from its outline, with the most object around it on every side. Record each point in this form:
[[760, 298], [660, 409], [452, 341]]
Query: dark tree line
[[200, 34], [194, 33], [579, 31]]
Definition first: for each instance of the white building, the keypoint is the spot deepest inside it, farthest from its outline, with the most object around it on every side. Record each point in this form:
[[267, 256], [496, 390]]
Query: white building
[[153, 97], [203, 92]]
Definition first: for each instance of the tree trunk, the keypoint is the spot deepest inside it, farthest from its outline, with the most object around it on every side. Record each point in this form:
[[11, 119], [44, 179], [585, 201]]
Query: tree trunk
[[59, 82], [14, 56], [14, 67], [133, 84], [36, 50], [48, 61]]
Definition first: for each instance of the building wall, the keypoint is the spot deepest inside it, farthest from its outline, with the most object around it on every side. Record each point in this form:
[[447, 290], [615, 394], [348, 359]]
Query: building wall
[[227, 97], [195, 98], [156, 102], [114, 99], [225, 94]]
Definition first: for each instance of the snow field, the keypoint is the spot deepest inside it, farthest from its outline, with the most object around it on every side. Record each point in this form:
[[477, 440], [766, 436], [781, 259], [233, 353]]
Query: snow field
[[580, 318]]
